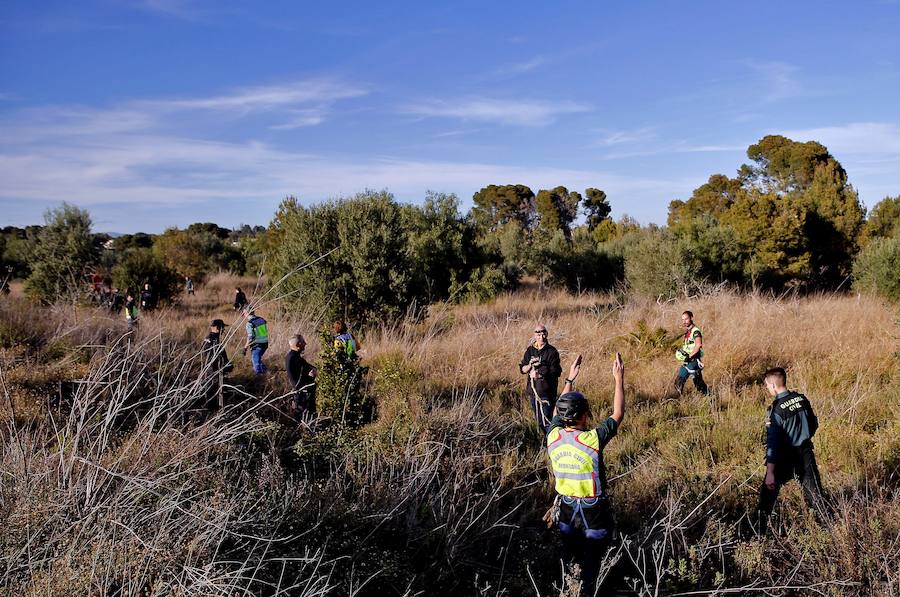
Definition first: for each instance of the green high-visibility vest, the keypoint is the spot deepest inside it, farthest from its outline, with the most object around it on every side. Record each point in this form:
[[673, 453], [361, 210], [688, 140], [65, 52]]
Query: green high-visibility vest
[[575, 459], [689, 342], [260, 330]]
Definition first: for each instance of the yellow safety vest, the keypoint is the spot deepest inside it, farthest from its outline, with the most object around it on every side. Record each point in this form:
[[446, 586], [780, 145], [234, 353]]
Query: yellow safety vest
[[689, 344], [575, 459]]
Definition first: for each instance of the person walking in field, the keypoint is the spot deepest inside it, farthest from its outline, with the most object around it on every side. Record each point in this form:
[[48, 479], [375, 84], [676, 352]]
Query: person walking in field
[[131, 310], [189, 286], [689, 356], [343, 339], [541, 364], [215, 365], [257, 339], [302, 379], [584, 515], [240, 300], [148, 299], [790, 427]]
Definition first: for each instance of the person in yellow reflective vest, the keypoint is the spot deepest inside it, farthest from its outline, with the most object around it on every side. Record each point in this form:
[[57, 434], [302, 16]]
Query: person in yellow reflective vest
[[132, 314], [576, 457], [689, 356]]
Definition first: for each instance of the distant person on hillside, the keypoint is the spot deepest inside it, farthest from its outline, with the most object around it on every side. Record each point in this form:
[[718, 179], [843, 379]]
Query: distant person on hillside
[[790, 427], [240, 300], [689, 356], [132, 314], [302, 379], [541, 364], [343, 339], [116, 301], [148, 300], [189, 285], [582, 509], [215, 365], [257, 339]]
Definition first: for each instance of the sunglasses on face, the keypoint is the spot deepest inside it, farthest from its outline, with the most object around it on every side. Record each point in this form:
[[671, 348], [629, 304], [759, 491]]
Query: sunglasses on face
[[542, 332]]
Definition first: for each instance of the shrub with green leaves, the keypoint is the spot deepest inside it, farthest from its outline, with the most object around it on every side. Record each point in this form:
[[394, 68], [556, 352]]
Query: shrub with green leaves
[[368, 258], [340, 391], [63, 253], [142, 266], [877, 268], [659, 265]]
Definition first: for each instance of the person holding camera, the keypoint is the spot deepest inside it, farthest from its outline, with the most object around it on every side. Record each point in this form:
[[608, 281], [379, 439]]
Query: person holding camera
[[541, 364]]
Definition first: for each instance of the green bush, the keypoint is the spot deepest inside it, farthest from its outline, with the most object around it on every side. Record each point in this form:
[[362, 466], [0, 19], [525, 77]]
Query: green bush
[[369, 258], [62, 256], [142, 266], [340, 392], [659, 265], [877, 268]]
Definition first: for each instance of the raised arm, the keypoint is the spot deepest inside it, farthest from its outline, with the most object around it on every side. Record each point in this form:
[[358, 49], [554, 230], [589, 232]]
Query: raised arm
[[574, 370], [618, 370]]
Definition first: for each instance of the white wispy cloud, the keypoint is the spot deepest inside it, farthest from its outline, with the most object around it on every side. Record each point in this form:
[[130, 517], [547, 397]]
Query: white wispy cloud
[[518, 68], [779, 80], [610, 137], [500, 111], [856, 137], [171, 171], [266, 98], [291, 105], [117, 158]]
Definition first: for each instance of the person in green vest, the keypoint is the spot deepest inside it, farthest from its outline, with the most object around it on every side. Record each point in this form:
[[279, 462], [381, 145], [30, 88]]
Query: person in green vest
[[343, 339], [584, 514], [689, 356], [257, 339], [131, 310]]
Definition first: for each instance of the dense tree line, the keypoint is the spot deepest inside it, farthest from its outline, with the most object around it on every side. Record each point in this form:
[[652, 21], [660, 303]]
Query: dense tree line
[[788, 218]]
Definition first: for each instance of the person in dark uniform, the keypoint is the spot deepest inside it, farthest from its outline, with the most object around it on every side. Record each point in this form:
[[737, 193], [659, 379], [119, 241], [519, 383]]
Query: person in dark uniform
[[790, 427], [148, 299], [240, 299], [541, 364], [302, 379], [215, 365]]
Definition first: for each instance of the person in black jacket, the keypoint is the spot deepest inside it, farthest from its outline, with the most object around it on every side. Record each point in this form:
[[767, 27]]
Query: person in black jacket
[[215, 365], [790, 427], [302, 379], [240, 299], [148, 299], [541, 364]]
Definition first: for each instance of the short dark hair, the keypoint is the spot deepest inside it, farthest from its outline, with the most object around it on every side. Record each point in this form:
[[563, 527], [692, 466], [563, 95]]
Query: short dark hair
[[340, 327], [778, 372], [689, 314]]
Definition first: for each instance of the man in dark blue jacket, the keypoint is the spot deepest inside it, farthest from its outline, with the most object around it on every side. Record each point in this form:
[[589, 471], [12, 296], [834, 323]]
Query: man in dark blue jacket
[[790, 426]]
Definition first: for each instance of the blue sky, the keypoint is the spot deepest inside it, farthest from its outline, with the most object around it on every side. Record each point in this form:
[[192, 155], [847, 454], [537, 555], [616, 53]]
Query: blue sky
[[159, 113]]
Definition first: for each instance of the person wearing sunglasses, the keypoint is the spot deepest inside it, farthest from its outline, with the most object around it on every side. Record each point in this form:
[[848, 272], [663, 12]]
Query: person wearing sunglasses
[[542, 367]]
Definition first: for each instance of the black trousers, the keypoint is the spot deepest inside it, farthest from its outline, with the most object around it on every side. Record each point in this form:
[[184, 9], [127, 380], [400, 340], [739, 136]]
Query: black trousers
[[797, 462], [303, 405], [578, 548]]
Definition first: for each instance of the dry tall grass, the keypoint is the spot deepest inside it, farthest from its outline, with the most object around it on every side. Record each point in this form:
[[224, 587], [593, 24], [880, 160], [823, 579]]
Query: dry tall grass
[[111, 491]]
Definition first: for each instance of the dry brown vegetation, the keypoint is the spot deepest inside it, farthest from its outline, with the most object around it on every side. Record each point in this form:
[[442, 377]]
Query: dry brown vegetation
[[107, 490]]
